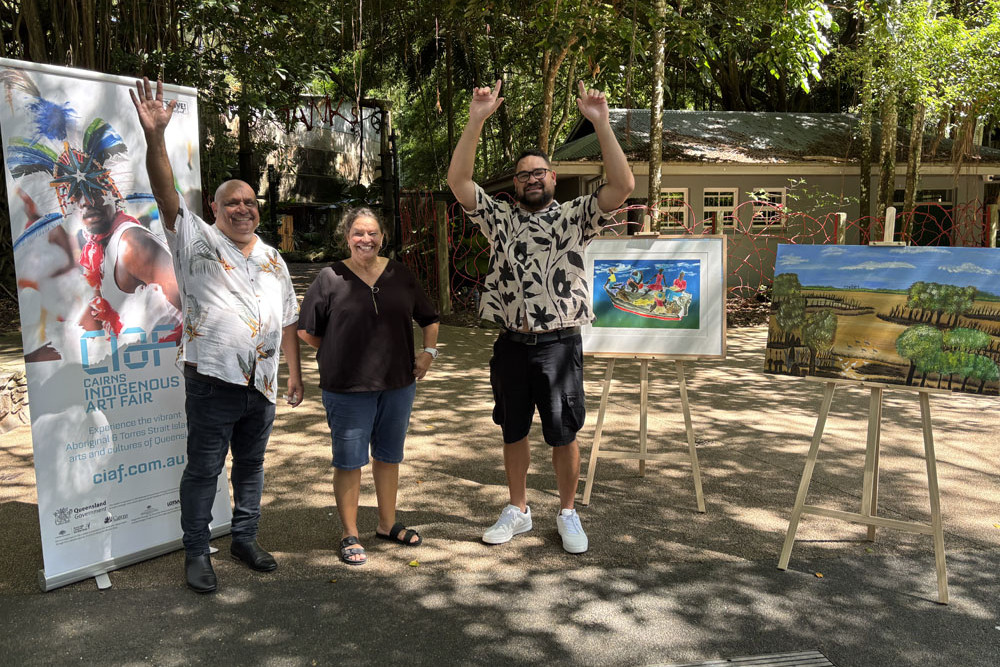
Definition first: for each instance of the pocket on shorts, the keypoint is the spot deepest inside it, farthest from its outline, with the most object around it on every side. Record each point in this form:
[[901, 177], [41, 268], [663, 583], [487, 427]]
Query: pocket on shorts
[[574, 412], [498, 410], [198, 389]]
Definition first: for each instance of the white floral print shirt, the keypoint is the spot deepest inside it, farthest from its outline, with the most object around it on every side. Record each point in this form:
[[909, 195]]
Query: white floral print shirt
[[537, 276], [234, 306]]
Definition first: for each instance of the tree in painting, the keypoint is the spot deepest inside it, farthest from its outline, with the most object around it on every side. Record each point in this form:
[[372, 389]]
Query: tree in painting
[[917, 344], [948, 354], [790, 305], [818, 332], [937, 299]]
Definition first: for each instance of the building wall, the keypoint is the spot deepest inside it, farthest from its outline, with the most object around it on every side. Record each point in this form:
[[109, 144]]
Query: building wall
[[811, 201], [324, 146]]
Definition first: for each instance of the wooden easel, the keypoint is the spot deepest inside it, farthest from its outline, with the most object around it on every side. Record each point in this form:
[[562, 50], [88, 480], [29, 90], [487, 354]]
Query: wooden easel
[[643, 455], [869, 493]]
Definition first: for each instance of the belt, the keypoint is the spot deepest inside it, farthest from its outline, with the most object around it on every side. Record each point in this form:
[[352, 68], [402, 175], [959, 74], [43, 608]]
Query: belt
[[191, 372], [528, 338]]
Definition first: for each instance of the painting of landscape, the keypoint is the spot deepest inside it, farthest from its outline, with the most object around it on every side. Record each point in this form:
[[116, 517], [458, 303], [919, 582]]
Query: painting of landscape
[[917, 316]]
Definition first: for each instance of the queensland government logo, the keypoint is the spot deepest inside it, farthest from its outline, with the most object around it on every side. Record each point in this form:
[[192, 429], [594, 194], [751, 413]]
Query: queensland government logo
[[62, 515]]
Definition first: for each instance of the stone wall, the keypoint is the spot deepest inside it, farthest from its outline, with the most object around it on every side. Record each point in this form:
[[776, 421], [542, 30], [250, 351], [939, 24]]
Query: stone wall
[[13, 400]]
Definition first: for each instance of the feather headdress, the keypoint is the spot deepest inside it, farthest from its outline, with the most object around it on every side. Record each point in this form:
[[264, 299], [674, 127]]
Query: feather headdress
[[77, 173]]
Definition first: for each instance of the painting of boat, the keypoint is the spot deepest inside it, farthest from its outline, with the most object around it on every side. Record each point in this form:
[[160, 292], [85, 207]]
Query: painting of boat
[[661, 304], [647, 294], [661, 295]]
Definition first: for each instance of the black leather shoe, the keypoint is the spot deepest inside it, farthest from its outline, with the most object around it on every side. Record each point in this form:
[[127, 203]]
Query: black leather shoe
[[251, 555], [199, 572]]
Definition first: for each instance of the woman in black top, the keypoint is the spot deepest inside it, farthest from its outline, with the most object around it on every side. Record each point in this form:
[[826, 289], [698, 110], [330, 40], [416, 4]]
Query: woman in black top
[[358, 313]]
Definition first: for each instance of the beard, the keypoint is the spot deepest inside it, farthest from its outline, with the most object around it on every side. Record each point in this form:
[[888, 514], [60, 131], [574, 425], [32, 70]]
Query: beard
[[535, 198]]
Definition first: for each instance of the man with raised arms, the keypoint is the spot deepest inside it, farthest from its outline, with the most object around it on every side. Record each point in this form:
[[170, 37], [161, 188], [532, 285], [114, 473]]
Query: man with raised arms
[[537, 290]]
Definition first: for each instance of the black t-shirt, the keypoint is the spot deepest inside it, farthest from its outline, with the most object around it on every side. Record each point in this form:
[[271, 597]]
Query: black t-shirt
[[367, 331]]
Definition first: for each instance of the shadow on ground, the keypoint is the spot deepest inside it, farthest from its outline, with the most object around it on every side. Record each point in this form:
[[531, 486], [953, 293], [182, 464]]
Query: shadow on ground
[[661, 582]]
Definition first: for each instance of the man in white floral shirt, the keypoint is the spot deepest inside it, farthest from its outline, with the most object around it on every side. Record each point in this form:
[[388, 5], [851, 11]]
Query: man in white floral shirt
[[537, 290], [239, 309]]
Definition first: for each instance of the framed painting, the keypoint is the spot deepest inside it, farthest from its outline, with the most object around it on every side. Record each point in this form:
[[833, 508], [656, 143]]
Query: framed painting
[[660, 296], [924, 316]]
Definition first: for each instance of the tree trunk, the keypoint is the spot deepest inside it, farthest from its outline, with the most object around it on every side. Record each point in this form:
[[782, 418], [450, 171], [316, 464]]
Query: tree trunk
[[59, 51], [245, 147], [449, 88], [36, 36], [551, 62], [913, 162], [88, 19], [569, 97], [506, 137], [865, 130], [887, 157], [74, 33], [656, 120], [942, 126], [962, 144]]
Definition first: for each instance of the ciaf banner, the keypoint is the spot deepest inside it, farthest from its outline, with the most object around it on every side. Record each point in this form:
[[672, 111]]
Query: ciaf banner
[[100, 315]]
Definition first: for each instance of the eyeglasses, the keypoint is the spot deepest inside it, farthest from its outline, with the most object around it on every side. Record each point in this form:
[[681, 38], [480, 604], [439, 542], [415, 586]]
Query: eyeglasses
[[525, 176]]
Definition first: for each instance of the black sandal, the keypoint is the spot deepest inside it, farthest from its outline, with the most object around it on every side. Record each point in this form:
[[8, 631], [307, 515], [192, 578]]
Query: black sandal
[[347, 549], [408, 534]]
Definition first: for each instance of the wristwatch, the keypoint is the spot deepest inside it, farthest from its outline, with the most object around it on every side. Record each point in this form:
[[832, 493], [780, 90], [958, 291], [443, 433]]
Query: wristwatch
[[433, 351]]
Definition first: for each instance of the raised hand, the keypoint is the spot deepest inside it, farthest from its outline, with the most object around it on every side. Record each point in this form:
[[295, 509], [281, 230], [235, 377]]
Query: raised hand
[[592, 104], [484, 102], [153, 115]]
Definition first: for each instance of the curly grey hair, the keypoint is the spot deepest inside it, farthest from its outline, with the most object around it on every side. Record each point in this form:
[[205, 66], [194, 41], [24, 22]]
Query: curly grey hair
[[347, 221]]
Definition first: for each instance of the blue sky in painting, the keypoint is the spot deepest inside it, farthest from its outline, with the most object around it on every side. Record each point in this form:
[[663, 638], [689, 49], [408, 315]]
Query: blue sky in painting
[[885, 267]]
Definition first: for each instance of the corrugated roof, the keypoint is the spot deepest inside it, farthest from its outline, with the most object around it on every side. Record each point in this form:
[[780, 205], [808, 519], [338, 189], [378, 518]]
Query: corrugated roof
[[743, 137]]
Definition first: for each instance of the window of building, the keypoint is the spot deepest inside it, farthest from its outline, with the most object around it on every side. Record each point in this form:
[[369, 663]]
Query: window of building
[[943, 197], [719, 208], [673, 209], [769, 207]]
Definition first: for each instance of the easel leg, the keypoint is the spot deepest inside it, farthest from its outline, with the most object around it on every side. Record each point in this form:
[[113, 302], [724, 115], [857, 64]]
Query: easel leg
[[596, 447], [643, 412], [689, 429], [807, 473], [932, 488], [869, 493]]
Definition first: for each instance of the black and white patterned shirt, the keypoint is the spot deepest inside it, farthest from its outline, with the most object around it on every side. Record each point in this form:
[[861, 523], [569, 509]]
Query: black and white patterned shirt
[[537, 279]]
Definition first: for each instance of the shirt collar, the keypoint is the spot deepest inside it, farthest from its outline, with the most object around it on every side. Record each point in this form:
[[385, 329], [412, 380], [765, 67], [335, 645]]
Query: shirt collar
[[524, 211]]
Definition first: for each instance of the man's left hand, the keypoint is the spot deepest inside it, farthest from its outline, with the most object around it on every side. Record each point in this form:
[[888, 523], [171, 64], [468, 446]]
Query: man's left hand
[[592, 104], [295, 392]]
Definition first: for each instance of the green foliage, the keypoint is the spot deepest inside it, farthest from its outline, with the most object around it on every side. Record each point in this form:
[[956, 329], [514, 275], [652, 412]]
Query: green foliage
[[919, 342], [819, 330], [786, 285], [966, 340], [940, 298], [951, 353], [983, 369]]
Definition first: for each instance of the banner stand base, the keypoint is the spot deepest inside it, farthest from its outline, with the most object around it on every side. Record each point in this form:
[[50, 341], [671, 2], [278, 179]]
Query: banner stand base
[[100, 570], [103, 581]]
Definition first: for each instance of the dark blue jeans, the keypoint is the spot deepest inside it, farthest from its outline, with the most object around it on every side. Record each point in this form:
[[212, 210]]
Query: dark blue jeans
[[221, 416]]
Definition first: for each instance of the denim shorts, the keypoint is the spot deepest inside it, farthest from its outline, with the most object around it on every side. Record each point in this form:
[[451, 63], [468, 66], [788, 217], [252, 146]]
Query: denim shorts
[[368, 420], [548, 376]]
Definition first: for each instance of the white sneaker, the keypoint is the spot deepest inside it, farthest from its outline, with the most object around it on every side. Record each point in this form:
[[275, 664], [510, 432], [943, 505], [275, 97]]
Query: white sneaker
[[512, 522], [573, 538]]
